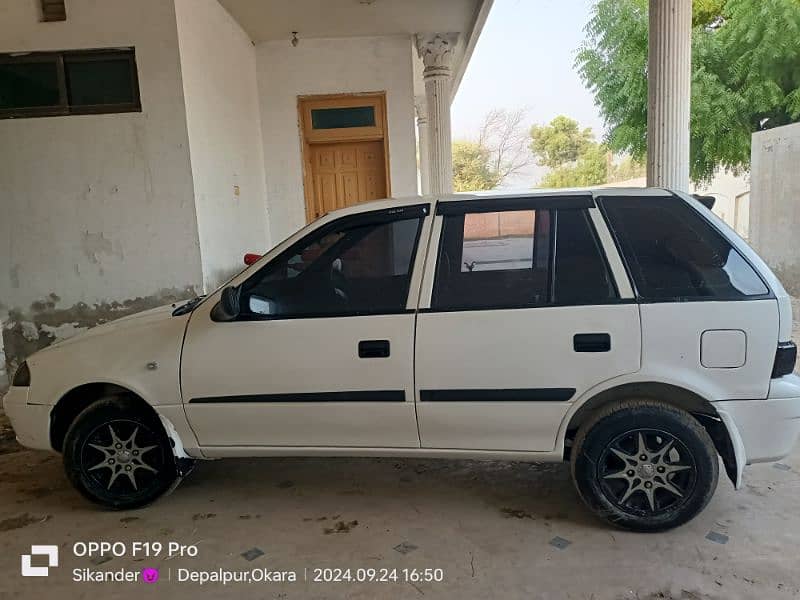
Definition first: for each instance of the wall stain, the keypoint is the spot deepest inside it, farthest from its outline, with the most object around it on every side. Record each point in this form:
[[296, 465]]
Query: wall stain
[[44, 322], [13, 275], [95, 245]]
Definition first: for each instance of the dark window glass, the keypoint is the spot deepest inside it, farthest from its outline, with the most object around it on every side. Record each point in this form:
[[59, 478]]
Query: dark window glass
[[497, 259], [361, 268], [342, 118], [63, 83], [99, 81], [674, 254], [581, 273], [28, 84]]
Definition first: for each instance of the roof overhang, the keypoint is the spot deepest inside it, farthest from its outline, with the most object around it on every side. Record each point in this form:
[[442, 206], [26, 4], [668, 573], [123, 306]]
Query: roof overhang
[[272, 20]]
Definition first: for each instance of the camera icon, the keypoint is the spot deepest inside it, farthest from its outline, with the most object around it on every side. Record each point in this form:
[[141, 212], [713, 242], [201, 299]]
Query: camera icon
[[51, 552]]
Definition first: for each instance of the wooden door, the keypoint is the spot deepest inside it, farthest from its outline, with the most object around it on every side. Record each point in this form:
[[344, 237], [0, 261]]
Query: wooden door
[[345, 150], [346, 173]]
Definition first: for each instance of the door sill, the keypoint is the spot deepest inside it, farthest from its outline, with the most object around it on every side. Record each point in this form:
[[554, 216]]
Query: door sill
[[334, 451]]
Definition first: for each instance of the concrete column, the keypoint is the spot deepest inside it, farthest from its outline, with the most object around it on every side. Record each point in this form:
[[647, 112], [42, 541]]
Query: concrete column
[[421, 106], [669, 69], [436, 52]]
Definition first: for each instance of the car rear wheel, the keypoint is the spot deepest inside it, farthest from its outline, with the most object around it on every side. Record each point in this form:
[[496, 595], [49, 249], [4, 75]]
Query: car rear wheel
[[117, 455], [644, 465]]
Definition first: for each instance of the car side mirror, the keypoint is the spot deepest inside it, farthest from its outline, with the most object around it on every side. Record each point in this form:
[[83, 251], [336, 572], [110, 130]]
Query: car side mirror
[[229, 306]]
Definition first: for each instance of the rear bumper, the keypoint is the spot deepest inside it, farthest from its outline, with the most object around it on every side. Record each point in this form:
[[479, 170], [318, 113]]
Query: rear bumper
[[31, 422], [766, 430]]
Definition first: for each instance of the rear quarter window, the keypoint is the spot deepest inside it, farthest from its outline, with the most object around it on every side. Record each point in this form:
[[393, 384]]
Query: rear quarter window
[[674, 254]]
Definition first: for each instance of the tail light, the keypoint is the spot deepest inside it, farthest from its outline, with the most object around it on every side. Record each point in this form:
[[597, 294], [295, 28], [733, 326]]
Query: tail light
[[251, 258], [785, 359]]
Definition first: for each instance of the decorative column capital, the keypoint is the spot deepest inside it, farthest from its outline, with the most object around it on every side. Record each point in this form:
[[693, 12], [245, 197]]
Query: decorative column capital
[[436, 51]]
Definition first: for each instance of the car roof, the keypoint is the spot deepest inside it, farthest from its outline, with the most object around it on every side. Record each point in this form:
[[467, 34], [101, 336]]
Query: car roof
[[556, 192], [400, 201]]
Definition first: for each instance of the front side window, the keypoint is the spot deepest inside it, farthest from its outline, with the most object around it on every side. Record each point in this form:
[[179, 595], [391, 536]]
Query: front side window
[[673, 254], [348, 267]]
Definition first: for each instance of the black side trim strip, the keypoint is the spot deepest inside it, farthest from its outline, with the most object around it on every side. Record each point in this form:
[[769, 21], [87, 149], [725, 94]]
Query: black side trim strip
[[481, 205], [359, 396], [512, 395]]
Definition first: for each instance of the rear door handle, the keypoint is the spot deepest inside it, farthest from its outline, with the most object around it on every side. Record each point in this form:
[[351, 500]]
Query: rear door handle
[[591, 342], [373, 349]]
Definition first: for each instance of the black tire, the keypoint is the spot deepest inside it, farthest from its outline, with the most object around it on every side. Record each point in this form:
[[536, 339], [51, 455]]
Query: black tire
[[638, 494], [115, 438]]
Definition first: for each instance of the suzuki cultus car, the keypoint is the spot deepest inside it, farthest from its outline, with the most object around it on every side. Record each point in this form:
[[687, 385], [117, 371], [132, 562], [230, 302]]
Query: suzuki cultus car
[[629, 332]]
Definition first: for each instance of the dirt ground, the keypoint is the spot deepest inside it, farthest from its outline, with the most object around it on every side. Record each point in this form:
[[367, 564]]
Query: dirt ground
[[496, 530]]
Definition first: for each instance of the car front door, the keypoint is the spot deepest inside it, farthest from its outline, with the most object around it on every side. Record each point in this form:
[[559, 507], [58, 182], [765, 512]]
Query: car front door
[[322, 352], [519, 316]]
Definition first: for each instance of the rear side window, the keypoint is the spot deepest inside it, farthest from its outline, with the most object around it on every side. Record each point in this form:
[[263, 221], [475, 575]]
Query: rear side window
[[519, 258], [673, 254], [493, 260]]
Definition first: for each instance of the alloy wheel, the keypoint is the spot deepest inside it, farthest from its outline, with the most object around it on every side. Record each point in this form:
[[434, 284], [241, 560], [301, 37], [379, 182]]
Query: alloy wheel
[[646, 472], [122, 456]]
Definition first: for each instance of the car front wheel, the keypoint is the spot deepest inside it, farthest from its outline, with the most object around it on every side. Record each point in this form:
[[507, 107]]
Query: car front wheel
[[118, 455], [644, 465]]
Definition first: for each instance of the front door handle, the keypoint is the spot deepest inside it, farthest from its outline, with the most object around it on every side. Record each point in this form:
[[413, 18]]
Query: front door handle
[[373, 349], [591, 342]]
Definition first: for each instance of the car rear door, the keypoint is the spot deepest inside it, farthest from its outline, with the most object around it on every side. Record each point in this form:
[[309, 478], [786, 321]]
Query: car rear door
[[322, 354], [710, 323], [519, 316]]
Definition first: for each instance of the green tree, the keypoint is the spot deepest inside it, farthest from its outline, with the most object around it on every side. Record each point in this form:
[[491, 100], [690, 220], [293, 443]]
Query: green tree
[[559, 142], [574, 157], [472, 167], [627, 168], [745, 75], [591, 168]]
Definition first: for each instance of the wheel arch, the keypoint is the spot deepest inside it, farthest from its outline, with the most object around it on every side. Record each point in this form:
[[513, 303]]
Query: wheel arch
[[697, 406], [73, 402]]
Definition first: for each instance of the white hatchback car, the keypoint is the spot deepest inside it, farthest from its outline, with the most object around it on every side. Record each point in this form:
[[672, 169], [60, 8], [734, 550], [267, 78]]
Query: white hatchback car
[[630, 332]]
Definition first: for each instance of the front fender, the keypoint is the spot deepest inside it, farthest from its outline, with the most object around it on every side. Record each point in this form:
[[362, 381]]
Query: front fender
[[141, 355]]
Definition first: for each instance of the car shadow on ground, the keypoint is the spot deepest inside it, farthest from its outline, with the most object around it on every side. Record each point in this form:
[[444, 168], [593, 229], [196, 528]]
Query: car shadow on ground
[[513, 490], [34, 481]]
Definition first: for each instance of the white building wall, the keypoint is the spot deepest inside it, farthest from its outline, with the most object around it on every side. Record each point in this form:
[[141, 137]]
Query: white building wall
[[218, 67], [775, 201], [330, 66], [732, 194], [97, 213]]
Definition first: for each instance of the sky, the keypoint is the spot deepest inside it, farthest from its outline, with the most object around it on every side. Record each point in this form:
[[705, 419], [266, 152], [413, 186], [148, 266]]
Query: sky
[[524, 59]]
